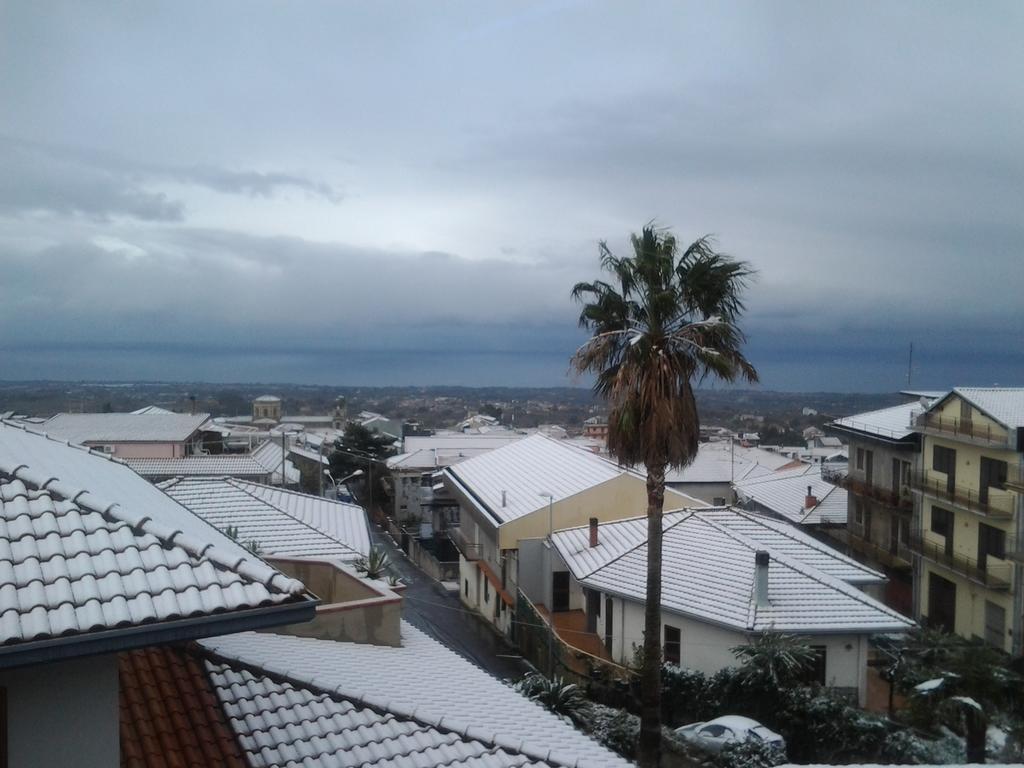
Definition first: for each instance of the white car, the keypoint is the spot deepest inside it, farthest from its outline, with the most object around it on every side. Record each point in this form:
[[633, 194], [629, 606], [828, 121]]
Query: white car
[[714, 735]]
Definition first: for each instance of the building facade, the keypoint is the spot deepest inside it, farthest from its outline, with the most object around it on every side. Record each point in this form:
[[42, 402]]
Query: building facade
[[966, 542]]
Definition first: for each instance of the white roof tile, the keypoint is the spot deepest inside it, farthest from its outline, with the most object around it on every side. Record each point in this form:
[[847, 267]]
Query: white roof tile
[[123, 427], [457, 441], [228, 464], [86, 544], [417, 705], [785, 492], [228, 502], [269, 455], [709, 574]]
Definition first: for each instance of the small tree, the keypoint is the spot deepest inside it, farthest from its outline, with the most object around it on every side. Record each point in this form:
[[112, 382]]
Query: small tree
[[772, 661], [375, 565]]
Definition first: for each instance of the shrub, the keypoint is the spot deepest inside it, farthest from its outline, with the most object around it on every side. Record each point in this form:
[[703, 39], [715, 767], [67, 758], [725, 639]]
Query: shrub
[[555, 694], [750, 754]]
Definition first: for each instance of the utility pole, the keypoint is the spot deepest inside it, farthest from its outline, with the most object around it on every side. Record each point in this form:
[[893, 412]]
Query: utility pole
[[284, 453], [910, 363], [320, 465]]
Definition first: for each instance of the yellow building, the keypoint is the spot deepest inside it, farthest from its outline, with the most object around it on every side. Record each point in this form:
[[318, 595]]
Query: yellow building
[[525, 490], [968, 534]]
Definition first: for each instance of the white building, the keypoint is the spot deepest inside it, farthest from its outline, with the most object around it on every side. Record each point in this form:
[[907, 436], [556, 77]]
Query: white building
[[726, 574]]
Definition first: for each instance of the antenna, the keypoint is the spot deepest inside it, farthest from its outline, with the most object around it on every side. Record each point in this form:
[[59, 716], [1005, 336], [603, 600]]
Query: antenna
[[910, 363]]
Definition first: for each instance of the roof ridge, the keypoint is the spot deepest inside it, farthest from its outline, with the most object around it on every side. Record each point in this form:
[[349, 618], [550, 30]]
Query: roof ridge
[[791, 532], [234, 483], [643, 542], [385, 708], [257, 571]]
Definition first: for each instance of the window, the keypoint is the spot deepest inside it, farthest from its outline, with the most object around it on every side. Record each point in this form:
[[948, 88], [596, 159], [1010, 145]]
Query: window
[[995, 624], [560, 591], [860, 458], [941, 603], [965, 411], [991, 543], [816, 673], [942, 522], [858, 512], [992, 475], [944, 459], [466, 588], [673, 645]]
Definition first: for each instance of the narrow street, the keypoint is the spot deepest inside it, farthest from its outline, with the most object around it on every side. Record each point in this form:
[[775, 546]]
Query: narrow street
[[437, 612]]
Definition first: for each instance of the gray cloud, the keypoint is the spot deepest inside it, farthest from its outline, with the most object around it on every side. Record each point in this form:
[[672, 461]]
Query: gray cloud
[[866, 159], [63, 180]]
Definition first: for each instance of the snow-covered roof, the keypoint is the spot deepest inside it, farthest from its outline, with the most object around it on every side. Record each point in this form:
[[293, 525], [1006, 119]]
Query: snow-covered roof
[[267, 399], [709, 574], [269, 455], [458, 441], [124, 427], [226, 502], [785, 492], [87, 545], [508, 481], [151, 409], [226, 464], [1004, 404], [889, 423], [431, 458], [723, 462], [318, 703], [345, 522]]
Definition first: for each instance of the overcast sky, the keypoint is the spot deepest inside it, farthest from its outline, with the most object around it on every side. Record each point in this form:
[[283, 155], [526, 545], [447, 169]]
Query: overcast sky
[[385, 193]]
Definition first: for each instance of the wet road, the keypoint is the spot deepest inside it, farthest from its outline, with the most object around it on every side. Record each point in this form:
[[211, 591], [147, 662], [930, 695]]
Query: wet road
[[434, 610]]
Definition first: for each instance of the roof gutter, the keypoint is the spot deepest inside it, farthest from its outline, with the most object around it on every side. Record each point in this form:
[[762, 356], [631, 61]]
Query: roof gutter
[[127, 638]]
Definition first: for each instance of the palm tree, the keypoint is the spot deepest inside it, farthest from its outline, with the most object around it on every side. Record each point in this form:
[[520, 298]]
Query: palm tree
[[665, 323]]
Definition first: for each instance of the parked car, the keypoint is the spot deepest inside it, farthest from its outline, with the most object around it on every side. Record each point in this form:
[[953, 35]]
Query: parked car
[[713, 735]]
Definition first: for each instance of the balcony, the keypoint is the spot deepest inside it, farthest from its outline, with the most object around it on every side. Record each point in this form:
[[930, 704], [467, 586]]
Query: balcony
[[996, 503], [903, 502], [469, 549], [961, 429], [994, 575], [895, 558]]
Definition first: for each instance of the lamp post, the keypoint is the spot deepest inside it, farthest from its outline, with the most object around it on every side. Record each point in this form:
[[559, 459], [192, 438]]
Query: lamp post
[[551, 583], [369, 465]]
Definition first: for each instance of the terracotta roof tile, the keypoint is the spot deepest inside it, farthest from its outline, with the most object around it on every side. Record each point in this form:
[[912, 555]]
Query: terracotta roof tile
[[170, 716]]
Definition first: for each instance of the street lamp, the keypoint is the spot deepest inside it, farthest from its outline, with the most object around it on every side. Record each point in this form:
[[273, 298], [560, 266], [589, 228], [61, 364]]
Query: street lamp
[[551, 583]]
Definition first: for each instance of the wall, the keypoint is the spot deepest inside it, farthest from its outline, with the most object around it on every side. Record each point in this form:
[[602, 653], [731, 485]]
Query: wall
[[144, 450], [622, 497], [706, 492], [63, 713], [353, 608], [706, 647]]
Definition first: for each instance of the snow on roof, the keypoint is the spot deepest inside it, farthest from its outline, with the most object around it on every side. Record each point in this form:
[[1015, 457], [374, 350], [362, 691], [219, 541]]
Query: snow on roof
[[267, 399], [432, 458], [296, 700], [785, 492], [457, 441], [269, 455], [227, 464], [87, 545], [306, 453], [891, 423], [226, 502], [152, 409], [722, 462], [123, 427], [1004, 404], [709, 574], [345, 522], [509, 481]]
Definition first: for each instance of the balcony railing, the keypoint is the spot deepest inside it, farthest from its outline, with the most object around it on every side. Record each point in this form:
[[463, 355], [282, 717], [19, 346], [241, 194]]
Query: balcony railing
[[469, 549], [961, 429], [888, 497], [876, 553], [995, 575], [996, 503]]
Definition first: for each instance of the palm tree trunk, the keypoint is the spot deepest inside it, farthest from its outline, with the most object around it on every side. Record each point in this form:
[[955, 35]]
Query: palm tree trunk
[[650, 673], [977, 730]]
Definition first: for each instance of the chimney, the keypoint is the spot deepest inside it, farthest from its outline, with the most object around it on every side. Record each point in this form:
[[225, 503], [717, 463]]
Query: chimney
[[761, 560], [504, 497], [593, 533], [810, 500]]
